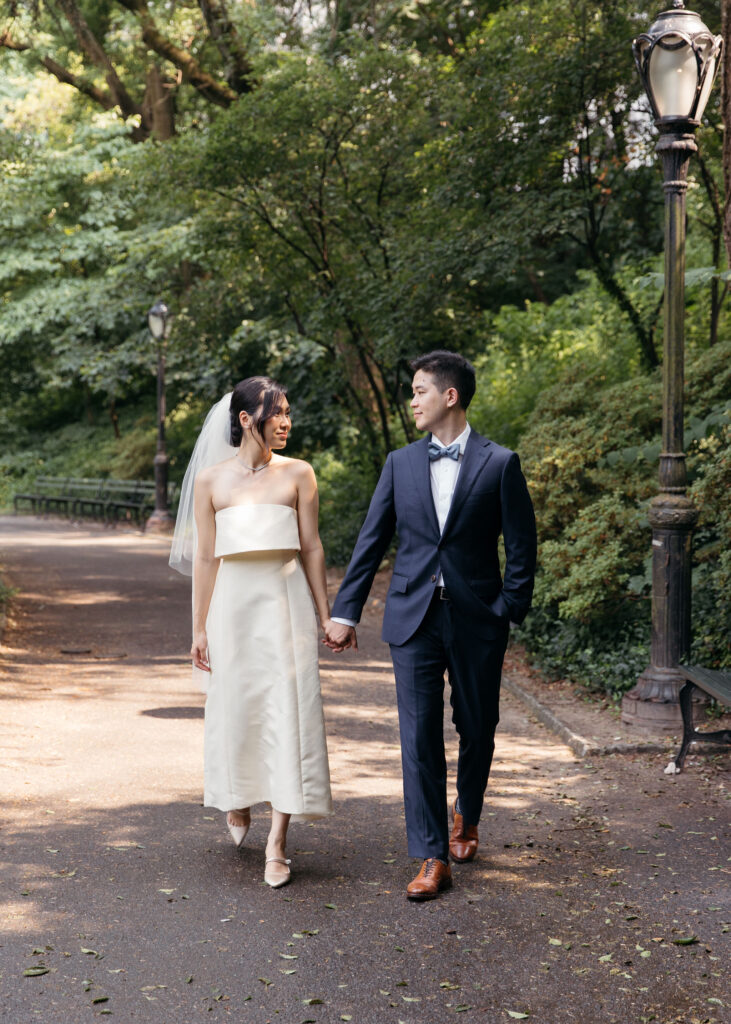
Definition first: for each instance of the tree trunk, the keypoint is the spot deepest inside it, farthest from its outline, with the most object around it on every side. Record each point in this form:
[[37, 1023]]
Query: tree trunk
[[158, 109], [114, 417], [726, 116]]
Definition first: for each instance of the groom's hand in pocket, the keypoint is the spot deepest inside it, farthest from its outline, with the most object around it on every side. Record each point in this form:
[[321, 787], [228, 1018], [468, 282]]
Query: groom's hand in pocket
[[338, 636]]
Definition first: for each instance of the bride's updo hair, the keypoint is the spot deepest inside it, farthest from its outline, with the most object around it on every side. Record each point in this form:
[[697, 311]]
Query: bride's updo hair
[[260, 397]]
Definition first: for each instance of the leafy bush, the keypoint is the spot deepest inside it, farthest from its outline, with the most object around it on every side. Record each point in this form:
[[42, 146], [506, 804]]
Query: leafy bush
[[711, 465], [590, 457], [345, 486], [606, 655], [527, 351]]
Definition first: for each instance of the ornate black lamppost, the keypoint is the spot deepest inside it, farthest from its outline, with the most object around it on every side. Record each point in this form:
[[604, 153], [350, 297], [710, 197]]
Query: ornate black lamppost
[[677, 59], [159, 322]]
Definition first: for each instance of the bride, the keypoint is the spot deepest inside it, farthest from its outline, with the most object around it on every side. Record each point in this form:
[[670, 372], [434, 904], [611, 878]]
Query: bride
[[247, 531]]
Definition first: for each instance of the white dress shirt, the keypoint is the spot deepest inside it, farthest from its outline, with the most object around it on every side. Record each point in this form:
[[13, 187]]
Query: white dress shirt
[[443, 473]]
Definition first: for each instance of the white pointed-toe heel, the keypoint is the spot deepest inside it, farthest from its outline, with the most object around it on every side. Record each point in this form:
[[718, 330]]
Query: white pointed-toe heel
[[238, 832], [276, 879]]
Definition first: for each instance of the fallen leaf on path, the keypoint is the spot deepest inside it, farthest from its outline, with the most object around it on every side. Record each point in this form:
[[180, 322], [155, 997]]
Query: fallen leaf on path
[[35, 972]]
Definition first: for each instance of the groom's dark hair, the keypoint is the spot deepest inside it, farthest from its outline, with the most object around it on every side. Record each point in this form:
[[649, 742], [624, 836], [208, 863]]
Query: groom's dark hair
[[449, 370]]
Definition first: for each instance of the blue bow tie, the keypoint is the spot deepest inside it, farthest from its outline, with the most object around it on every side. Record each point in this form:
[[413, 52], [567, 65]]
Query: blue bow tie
[[437, 451]]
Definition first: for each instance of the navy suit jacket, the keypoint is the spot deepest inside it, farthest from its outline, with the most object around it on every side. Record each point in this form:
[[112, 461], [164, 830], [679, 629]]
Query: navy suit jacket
[[490, 497]]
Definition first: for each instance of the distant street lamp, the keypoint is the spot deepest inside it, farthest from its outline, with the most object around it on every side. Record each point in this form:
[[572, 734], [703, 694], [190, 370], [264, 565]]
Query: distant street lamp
[[677, 59], [159, 322]]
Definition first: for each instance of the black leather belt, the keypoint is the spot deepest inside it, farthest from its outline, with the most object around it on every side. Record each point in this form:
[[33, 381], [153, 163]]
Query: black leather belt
[[440, 593]]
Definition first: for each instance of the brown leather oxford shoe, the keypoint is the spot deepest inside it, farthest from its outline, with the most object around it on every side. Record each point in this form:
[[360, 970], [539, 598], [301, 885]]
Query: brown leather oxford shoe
[[434, 877], [463, 839]]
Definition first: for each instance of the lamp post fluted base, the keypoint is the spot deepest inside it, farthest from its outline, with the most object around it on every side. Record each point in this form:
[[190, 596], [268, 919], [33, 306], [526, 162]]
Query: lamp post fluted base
[[160, 522], [653, 703]]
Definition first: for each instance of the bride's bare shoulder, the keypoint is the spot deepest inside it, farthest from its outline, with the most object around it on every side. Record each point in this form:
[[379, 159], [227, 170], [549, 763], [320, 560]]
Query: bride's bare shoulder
[[299, 468], [208, 476]]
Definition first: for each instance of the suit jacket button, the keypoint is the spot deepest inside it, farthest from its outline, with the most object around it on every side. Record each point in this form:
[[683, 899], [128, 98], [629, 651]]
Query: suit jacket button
[[434, 579]]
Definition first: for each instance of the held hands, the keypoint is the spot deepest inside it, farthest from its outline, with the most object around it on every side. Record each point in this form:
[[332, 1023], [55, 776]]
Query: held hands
[[199, 651], [338, 636]]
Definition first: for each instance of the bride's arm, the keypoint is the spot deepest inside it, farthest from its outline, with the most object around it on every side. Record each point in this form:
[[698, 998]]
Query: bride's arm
[[205, 568], [312, 554]]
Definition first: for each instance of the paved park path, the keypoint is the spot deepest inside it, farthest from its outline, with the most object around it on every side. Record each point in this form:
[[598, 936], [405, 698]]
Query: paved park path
[[601, 893]]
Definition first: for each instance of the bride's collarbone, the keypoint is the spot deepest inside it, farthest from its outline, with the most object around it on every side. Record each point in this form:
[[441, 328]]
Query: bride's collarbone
[[255, 493], [276, 486]]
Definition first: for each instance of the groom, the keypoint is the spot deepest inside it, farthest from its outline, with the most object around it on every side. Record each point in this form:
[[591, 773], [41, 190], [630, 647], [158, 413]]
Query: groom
[[448, 497]]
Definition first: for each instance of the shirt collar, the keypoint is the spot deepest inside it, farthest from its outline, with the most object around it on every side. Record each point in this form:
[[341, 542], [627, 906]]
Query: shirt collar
[[461, 440]]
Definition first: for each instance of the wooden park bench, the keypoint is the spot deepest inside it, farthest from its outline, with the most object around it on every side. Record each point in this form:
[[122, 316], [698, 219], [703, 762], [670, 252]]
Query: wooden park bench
[[59, 494], [717, 685], [107, 499], [129, 499]]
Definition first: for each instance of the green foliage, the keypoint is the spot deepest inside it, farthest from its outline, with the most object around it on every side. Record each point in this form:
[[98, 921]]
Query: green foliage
[[6, 595], [528, 350], [91, 450], [605, 656], [587, 569], [712, 575], [345, 486], [590, 457]]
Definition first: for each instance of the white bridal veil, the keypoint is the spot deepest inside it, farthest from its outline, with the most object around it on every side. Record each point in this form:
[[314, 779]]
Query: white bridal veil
[[213, 446]]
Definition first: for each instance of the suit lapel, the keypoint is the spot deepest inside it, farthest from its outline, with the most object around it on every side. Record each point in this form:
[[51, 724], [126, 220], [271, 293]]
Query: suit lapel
[[422, 477], [476, 455]]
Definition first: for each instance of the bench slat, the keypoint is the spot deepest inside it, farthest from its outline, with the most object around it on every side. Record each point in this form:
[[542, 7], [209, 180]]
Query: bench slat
[[714, 682]]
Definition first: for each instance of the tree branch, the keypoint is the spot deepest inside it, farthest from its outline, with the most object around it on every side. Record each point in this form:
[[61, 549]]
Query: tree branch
[[216, 92], [7, 41], [104, 99], [95, 51], [224, 34]]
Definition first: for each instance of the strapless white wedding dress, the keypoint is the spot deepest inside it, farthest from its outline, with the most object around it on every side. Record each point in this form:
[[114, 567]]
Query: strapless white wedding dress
[[264, 726]]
